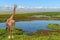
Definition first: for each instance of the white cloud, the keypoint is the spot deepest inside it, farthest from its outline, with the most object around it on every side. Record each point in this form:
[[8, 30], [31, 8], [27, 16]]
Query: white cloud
[[20, 7], [38, 7], [52, 7], [8, 7], [5, 7]]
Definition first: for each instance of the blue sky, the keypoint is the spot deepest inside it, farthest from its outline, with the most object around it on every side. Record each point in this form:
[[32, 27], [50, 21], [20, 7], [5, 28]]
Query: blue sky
[[32, 3]]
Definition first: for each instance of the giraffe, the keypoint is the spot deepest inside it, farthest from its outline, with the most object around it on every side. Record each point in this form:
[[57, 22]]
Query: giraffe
[[10, 22]]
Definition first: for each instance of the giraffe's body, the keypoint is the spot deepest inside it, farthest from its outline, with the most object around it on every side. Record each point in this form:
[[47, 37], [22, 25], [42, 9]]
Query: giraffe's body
[[10, 22]]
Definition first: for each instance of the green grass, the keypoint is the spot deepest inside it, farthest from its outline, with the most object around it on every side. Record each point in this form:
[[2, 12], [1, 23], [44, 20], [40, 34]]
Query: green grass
[[19, 35], [29, 14], [54, 26], [26, 16]]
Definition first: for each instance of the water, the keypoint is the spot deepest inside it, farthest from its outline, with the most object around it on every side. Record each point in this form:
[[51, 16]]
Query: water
[[32, 26]]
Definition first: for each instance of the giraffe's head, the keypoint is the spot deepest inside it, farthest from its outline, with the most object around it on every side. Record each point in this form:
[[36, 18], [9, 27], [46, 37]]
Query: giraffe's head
[[15, 6]]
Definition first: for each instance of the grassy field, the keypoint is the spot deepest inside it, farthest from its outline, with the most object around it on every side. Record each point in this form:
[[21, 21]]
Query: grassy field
[[19, 16], [19, 35]]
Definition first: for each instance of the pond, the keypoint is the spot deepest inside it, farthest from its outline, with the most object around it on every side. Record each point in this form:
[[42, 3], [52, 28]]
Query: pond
[[32, 26]]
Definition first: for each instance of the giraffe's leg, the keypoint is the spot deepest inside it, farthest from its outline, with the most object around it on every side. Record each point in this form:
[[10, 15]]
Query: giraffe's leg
[[12, 31], [9, 37], [8, 31]]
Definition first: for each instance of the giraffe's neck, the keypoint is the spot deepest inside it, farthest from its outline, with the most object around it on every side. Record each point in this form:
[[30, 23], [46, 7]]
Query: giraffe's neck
[[12, 14], [12, 17]]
